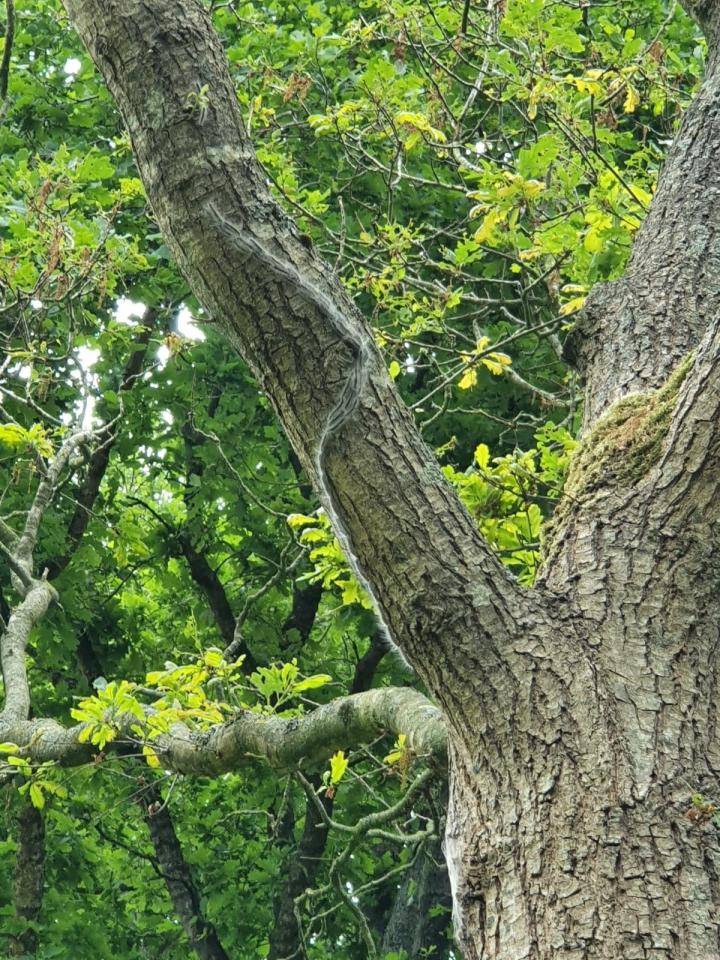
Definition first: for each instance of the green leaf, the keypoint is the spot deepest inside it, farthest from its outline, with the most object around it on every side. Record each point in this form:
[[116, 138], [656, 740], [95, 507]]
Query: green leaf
[[37, 798], [338, 766], [94, 167], [312, 683]]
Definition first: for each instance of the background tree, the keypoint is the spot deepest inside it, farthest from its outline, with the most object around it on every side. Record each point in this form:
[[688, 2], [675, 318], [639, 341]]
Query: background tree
[[472, 174]]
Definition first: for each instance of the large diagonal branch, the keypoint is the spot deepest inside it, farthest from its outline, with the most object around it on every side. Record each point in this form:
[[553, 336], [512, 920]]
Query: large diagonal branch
[[438, 587]]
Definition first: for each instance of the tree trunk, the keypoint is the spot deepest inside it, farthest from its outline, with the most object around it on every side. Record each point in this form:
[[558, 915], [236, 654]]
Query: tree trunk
[[554, 853], [201, 933], [413, 929], [582, 714], [28, 880]]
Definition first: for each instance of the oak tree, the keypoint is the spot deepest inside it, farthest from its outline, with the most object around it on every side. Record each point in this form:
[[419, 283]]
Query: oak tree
[[569, 695]]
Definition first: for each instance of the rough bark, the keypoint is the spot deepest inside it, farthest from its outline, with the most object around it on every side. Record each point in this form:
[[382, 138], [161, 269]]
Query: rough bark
[[28, 881], [411, 538], [581, 715]]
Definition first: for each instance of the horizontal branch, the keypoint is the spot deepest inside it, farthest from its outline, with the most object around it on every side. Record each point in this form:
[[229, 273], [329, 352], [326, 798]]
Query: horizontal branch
[[282, 744]]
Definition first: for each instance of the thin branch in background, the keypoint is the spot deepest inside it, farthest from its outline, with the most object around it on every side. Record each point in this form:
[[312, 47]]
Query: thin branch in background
[[7, 51], [465, 18]]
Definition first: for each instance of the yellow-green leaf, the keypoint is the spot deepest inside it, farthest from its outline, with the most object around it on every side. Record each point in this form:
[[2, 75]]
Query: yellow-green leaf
[[468, 379], [572, 306], [212, 658], [312, 683], [482, 456], [632, 99], [396, 755], [496, 362], [338, 766], [151, 757], [37, 797]]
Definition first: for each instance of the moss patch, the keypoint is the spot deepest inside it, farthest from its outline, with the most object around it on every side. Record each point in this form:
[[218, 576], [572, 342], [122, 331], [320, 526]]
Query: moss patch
[[624, 444]]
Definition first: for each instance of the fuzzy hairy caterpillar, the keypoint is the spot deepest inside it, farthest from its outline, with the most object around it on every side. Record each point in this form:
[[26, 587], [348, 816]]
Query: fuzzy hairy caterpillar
[[348, 399]]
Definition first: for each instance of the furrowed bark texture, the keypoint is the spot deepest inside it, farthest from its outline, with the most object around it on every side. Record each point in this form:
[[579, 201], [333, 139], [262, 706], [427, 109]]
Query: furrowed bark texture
[[412, 539], [582, 716]]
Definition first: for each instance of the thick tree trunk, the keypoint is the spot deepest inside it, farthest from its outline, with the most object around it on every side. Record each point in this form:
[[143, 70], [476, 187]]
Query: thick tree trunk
[[583, 714], [411, 539]]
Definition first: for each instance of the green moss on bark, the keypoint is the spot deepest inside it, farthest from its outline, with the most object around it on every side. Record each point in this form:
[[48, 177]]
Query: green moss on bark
[[624, 444]]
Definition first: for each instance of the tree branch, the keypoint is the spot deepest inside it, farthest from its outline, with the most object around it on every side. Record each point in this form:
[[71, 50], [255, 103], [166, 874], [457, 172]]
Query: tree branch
[[87, 494], [304, 864], [202, 935], [411, 931], [634, 331], [442, 594], [43, 496], [282, 744], [12, 650], [7, 50]]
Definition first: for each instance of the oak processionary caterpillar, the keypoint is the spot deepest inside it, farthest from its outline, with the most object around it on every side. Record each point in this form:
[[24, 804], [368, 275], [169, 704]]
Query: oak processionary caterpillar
[[348, 399]]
